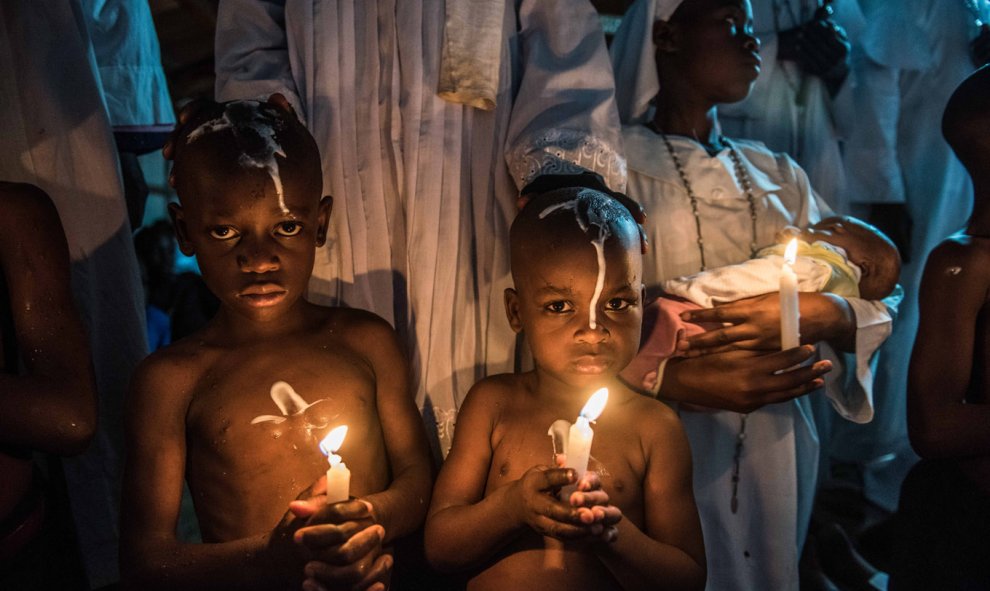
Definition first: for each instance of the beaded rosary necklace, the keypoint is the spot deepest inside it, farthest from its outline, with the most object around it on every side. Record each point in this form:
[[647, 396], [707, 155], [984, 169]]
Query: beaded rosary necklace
[[742, 177]]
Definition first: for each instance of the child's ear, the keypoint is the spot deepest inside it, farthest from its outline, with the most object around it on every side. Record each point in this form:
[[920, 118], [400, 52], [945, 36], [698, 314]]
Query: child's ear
[[323, 220], [181, 232], [664, 37], [512, 309]]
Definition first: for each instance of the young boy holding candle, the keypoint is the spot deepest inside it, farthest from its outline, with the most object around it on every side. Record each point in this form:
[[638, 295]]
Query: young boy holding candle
[[240, 408], [840, 255], [632, 522]]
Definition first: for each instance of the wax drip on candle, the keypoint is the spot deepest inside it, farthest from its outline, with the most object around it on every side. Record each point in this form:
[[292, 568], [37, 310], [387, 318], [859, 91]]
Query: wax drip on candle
[[592, 208], [240, 116]]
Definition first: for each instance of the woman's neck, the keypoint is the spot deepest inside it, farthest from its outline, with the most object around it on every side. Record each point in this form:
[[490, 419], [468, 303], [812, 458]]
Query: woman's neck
[[696, 121]]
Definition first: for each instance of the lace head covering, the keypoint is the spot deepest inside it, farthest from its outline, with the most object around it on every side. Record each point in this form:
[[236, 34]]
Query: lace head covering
[[633, 58]]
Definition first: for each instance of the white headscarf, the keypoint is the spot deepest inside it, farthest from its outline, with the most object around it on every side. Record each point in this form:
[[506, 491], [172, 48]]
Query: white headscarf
[[633, 58]]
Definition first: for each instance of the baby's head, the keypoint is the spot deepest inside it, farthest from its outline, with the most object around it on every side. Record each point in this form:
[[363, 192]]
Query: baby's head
[[577, 270], [966, 123], [249, 182], [866, 247]]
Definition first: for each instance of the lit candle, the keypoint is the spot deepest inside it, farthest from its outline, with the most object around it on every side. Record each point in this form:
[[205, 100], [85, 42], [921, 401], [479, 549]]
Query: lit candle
[[338, 476], [580, 436], [790, 313]]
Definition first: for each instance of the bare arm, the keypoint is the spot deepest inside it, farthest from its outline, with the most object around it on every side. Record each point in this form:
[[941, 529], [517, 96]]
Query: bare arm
[[151, 555], [401, 508], [51, 407], [940, 423], [670, 552]]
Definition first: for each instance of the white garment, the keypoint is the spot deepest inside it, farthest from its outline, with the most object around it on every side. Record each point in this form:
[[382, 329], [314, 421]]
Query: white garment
[[757, 547], [916, 53], [423, 191], [56, 135], [130, 69], [750, 278], [791, 112]]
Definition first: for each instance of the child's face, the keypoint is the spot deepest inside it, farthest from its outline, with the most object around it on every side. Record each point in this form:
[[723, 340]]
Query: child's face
[[551, 305], [254, 256], [716, 51]]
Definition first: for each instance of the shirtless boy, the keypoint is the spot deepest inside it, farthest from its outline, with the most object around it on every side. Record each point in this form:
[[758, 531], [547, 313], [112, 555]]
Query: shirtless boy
[[945, 500], [495, 504], [205, 409]]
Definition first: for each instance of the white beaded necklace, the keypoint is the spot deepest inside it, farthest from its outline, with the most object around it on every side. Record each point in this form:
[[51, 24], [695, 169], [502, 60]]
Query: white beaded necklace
[[742, 177]]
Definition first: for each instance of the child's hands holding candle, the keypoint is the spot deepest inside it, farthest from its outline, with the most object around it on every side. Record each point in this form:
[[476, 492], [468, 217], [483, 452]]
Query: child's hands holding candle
[[343, 543], [585, 514]]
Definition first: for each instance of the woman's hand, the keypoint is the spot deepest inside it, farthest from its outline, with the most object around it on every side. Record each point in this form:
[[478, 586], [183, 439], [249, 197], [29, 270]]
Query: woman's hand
[[754, 324], [743, 381]]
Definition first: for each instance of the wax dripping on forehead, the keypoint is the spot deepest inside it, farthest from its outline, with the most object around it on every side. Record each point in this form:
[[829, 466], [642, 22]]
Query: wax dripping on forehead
[[259, 120], [592, 209]]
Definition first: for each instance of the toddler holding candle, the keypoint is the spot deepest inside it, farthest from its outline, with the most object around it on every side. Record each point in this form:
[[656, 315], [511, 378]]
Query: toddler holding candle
[[840, 255], [632, 523], [249, 183]]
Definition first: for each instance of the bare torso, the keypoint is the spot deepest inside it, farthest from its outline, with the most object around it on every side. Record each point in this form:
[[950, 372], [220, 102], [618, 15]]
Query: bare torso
[[243, 475], [15, 465], [616, 454], [977, 468]]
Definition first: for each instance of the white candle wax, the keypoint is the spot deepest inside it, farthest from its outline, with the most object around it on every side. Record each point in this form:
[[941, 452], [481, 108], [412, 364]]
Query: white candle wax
[[338, 476], [338, 481], [790, 312], [579, 446]]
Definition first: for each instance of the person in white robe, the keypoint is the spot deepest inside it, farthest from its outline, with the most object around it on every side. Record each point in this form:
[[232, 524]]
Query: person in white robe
[[755, 472], [57, 136], [915, 53], [795, 107], [431, 117]]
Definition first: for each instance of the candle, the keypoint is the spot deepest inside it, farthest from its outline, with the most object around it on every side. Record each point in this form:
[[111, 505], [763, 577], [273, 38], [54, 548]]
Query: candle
[[338, 476], [580, 436], [790, 313]]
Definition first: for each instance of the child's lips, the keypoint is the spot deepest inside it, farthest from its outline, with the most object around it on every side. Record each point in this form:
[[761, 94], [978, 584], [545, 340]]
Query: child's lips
[[263, 294], [592, 364]]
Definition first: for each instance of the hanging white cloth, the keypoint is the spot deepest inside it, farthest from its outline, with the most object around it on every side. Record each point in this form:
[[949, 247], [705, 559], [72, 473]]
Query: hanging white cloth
[[57, 136], [425, 188]]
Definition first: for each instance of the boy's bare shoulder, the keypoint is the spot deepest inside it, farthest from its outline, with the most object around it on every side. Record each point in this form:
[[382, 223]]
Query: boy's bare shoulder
[[495, 393], [649, 417], [961, 254], [175, 368]]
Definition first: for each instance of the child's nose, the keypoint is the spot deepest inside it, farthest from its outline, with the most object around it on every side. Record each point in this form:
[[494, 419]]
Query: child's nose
[[256, 258], [588, 334]]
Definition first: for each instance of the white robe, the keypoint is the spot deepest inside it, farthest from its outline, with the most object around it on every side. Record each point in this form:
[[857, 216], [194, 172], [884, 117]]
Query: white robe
[[422, 187], [915, 54], [791, 112], [56, 134], [757, 547]]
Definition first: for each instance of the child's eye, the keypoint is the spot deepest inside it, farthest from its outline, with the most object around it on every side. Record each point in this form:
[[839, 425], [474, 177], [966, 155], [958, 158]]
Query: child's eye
[[617, 305], [223, 232], [288, 228], [559, 307]]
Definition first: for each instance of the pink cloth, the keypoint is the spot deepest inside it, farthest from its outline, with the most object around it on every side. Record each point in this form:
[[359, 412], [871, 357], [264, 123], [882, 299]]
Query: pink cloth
[[662, 328]]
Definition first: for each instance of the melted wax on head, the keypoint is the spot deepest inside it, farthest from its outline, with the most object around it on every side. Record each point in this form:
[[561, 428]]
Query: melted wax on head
[[256, 117], [592, 208]]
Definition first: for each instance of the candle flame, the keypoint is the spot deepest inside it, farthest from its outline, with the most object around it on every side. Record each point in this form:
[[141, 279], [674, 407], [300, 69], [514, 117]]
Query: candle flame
[[334, 439], [790, 253], [595, 404]]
